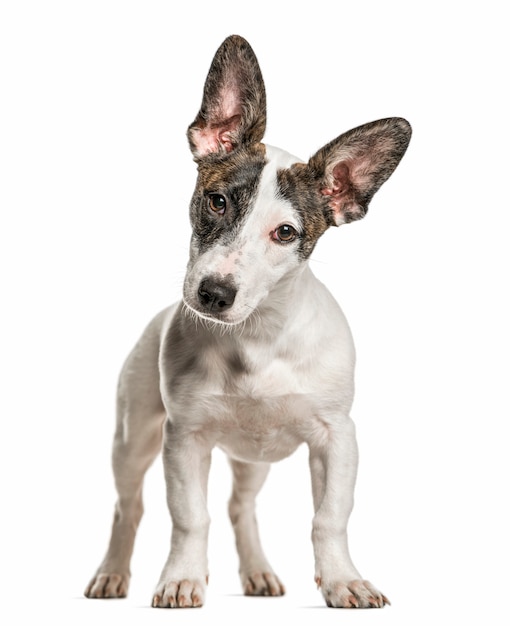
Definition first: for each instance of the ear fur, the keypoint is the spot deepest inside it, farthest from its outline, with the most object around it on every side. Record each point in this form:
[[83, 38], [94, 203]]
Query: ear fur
[[233, 107], [351, 168]]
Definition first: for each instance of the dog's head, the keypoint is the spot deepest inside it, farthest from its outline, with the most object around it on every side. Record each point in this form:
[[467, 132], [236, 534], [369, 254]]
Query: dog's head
[[257, 212]]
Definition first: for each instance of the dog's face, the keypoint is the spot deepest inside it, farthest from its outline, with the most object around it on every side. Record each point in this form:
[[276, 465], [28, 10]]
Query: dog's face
[[257, 212], [248, 234]]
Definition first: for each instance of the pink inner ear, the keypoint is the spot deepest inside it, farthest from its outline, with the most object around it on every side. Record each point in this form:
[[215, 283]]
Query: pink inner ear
[[223, 123], [227, 130], [341, 181], [205, 141], [339, 191], [216, 136]]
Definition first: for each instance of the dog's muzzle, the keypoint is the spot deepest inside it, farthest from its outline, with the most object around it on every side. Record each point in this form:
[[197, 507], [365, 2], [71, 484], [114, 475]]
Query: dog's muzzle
[[216, 296]]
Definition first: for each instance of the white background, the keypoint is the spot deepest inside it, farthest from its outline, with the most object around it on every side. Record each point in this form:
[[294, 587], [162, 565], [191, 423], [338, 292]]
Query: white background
[[95, 180]]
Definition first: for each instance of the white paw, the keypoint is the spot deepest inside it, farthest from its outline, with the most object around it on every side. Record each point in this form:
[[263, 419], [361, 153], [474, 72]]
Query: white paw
[[262, 584], [354, 594], [179, 594], [108, 586]]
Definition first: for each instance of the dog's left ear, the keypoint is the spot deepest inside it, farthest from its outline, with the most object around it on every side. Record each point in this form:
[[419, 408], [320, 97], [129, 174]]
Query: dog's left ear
[[351, 168], [233, 108]]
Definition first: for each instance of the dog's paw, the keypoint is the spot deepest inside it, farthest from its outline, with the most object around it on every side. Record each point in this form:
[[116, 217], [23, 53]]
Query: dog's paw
[[262, 584], [108, 586], [179, 594], [352, 595]]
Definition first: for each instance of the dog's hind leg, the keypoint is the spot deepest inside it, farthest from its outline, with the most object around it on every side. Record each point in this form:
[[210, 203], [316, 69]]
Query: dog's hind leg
[[257, 576], [137, 441]]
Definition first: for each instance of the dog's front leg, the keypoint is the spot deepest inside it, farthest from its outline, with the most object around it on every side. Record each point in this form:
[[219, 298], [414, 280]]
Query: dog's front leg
[[257, 576], [333, 464], [186, 458]]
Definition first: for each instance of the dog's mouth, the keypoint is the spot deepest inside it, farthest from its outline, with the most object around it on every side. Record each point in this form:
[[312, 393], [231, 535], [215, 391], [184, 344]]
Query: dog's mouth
[[219, 318]]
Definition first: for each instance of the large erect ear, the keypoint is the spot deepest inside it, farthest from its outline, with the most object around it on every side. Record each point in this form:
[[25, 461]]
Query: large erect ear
[[233, 107], [352, 167]]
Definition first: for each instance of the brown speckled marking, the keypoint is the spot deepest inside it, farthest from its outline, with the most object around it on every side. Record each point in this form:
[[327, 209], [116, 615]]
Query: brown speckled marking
[[235, 176], [298, 186]]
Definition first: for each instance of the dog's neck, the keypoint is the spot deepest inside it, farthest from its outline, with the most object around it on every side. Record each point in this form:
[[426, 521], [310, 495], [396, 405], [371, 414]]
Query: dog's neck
[[284, 301]]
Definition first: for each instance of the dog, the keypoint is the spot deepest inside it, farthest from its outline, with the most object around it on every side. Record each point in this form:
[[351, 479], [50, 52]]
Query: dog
[[257, 358]]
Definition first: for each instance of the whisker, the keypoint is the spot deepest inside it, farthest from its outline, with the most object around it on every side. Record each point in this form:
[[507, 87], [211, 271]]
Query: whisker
[[212, 323]]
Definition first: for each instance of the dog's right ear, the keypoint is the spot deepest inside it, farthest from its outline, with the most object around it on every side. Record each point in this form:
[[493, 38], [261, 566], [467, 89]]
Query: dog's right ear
[[233, 108]]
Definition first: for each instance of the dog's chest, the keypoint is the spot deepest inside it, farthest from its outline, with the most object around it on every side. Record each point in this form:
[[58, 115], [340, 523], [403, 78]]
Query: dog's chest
[[263, 429], [264, 404], [253, 370], [258, 396]]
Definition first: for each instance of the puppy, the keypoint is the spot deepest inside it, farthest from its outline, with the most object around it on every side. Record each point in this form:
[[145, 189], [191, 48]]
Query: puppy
[[257, 358]]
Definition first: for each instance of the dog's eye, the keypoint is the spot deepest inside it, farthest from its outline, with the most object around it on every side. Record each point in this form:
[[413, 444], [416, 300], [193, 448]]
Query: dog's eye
[[217, 203], [284, 233]]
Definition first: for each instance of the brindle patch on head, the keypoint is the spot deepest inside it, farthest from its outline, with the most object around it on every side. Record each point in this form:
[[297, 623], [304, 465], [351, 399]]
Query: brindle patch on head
[[298, 185], [236, 176]]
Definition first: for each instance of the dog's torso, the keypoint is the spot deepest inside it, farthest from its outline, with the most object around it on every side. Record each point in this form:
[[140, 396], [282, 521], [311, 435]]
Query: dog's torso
[[261, 390]]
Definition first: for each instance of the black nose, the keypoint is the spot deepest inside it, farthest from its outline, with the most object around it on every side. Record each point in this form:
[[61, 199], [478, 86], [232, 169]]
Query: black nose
[[216, 296]]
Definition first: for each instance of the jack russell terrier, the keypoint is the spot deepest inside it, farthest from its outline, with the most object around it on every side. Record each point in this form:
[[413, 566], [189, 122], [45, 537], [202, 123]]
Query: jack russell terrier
[[257, 358]]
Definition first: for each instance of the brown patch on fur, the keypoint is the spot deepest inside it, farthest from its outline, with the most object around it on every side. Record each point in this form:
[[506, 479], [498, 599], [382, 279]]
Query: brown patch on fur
[[236, 176], [298, 185], [218, 172]]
